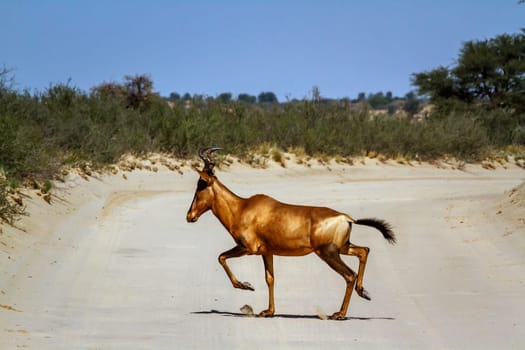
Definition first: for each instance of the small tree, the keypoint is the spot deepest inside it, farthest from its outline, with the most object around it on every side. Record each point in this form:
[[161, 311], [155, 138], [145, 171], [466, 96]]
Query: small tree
[[225, 97], [246, 98], [378, 100], [139, 88], [267, 97], [174, 97]]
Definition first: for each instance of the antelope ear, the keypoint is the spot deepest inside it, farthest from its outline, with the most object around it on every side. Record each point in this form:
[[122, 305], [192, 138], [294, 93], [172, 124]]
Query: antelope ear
[[205, 176]]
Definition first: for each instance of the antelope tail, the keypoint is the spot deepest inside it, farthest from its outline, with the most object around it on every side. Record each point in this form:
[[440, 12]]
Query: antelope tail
[[384, 227]]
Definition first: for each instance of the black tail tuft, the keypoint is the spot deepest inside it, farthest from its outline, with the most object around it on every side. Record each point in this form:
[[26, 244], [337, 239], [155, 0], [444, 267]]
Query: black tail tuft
[[381, 225]]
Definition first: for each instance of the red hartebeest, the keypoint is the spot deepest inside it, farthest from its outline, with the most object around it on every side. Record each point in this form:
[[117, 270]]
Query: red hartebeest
[[261, 225]]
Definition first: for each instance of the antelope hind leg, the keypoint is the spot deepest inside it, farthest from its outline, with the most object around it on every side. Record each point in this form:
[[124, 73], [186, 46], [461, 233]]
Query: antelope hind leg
[[362, 254], [330, 254]]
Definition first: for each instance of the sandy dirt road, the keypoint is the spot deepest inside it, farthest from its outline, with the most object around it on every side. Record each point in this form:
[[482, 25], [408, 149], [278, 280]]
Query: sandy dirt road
[[114, 265]]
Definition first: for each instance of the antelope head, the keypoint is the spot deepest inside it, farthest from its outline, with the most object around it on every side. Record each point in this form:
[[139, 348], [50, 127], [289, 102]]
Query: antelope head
[[204, 196]]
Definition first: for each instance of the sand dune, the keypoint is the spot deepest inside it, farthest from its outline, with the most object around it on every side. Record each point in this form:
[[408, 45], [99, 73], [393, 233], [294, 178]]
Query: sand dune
[[112, 263]]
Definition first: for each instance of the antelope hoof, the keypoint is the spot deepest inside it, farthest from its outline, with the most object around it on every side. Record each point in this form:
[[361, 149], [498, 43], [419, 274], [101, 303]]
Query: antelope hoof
[[363, 294], [339, 316], [244, 285], [266, 313]]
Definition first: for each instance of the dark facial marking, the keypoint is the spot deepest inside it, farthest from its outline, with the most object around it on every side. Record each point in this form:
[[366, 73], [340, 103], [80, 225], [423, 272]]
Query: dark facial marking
[[201, 185]]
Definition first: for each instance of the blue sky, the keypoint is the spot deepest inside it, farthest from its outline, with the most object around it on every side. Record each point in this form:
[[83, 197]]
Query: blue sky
[[210, 47]]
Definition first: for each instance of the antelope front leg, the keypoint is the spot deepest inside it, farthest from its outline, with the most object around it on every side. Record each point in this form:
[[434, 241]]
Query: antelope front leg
[[235, 252], [268, 268]]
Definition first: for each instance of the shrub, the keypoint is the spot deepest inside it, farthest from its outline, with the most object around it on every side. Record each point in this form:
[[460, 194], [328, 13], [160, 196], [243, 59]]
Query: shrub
[[9, 209]]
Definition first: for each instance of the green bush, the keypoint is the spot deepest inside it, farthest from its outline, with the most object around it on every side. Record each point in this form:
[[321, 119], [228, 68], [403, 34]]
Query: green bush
[[9, 210], [518, 135]]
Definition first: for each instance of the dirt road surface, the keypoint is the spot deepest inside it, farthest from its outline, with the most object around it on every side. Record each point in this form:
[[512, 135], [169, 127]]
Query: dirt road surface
[[112, 264]]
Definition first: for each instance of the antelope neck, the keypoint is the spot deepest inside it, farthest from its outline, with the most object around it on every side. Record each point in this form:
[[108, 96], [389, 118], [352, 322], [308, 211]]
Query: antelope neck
[[226, 205]]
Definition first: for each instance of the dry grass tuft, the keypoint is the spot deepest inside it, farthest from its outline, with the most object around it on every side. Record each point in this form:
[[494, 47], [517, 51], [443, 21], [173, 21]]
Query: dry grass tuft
[[371, 154], [278, 157]]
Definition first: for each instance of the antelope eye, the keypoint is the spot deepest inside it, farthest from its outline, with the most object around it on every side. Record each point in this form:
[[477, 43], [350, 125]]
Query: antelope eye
[[201, 185]]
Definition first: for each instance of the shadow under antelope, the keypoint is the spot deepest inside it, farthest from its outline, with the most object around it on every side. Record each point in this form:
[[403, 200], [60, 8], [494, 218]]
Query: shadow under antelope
[[261, 225]]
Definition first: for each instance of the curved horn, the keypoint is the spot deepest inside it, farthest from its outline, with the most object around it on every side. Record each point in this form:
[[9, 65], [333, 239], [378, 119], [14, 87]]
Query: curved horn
[[205, 155]]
